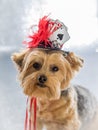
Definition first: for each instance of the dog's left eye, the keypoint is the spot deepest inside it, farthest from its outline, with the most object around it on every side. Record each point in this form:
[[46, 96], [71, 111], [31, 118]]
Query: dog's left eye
[[54, 69], [37, 65]]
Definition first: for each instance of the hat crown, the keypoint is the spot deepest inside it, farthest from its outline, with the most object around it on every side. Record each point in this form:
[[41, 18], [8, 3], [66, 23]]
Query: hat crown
[[50, 34]]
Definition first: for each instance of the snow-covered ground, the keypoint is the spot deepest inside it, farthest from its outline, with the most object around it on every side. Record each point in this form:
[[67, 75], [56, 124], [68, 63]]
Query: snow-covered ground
[[15, 17]]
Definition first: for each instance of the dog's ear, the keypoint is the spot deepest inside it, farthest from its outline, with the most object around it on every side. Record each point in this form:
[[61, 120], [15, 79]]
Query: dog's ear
[[18, 58], [75, 61]]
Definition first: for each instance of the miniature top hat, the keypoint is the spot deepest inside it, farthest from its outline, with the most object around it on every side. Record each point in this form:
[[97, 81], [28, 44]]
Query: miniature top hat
[[50, 34]]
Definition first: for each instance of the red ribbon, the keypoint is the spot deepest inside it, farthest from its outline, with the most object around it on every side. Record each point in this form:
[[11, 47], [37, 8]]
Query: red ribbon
[[28, 121]]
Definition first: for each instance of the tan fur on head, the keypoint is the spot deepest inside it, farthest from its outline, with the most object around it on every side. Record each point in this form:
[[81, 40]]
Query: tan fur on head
[[56, 81], [75, 61], [18, 58]]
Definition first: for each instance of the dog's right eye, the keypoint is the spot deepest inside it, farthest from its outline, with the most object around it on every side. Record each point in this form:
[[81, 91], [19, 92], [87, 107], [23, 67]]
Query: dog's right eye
[[36, 65], [54, 69]]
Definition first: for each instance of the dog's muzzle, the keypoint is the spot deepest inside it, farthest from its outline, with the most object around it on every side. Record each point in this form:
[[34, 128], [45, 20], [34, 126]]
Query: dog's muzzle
[[41, 80]]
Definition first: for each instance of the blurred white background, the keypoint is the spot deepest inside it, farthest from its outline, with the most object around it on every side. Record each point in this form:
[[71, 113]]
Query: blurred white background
[[16, 16]]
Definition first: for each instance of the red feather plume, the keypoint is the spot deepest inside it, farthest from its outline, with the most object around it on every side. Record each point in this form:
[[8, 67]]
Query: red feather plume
[[42, 35]]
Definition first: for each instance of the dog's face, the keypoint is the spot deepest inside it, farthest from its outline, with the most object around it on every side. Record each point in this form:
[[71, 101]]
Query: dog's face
[[44, 73]]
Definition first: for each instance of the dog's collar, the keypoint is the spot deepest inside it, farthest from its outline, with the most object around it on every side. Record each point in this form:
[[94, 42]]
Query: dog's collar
[[65, 92]]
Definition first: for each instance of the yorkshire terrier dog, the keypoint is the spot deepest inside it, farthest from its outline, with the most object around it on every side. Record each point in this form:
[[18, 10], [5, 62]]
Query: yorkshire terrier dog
[[45, 73]]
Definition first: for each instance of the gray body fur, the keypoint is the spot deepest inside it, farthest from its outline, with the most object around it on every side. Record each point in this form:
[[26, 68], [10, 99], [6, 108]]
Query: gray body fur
[[86, 104]]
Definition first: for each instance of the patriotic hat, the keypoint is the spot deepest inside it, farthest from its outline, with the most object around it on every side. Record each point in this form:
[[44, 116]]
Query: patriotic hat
[[50, 34]]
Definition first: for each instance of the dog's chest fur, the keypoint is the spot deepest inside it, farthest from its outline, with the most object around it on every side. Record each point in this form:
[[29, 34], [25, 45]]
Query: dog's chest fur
[[62, 111], [56, 110], [66, 112]]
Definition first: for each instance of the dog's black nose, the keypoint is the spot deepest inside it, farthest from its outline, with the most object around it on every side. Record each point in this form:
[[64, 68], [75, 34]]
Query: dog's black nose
[[42, 78]]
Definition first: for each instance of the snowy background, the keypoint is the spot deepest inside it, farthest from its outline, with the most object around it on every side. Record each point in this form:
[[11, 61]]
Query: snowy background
[[16, 16]]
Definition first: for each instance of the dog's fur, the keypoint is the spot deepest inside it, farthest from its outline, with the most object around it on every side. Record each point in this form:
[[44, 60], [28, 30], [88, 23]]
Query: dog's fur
[[61, 106]]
